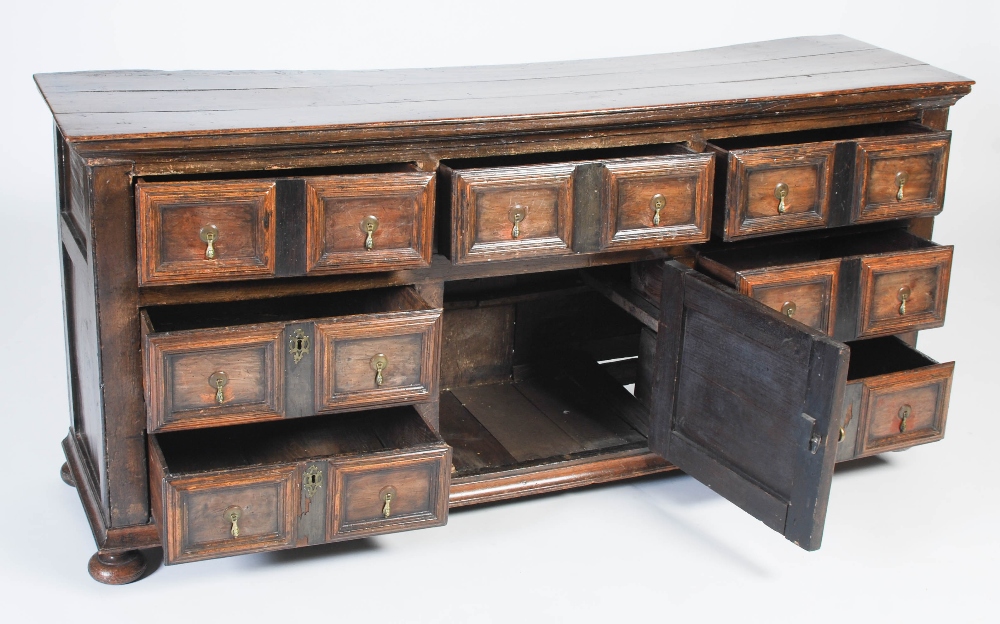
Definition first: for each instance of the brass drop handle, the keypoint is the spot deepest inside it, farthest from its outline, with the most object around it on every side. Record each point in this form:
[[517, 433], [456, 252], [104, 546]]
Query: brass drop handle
[[901, 178], [232, 514], [387, 495], [781, 192], [904, 412], [517, 214], [788, 309], [368, 226], [218, 380], [903, 295], [658, 203], [379, 364], [209, 234]]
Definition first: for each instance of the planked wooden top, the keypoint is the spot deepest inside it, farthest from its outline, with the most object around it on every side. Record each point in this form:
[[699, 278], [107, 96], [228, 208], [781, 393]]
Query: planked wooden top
[[786, 74]]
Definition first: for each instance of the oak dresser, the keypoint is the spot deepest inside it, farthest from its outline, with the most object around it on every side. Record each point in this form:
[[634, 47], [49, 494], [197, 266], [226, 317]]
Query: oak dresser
[[304, 307]]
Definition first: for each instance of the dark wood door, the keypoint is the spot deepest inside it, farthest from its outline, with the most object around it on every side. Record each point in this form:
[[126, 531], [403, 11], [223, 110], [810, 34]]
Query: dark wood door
[[747, 402]]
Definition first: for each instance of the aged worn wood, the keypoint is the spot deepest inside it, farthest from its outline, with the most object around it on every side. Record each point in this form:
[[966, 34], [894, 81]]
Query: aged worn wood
[[218, 222]]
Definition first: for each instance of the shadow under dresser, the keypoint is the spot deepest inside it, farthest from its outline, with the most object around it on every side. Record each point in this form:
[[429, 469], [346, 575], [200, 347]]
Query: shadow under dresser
[[304, 307]]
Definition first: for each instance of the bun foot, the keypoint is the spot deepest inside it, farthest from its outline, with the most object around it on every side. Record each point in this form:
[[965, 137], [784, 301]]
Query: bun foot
[[66, 475], [117, 568]]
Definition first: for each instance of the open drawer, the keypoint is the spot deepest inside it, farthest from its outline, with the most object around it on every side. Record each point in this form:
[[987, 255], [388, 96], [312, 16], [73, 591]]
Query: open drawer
[[221, 364], [757, 406], [269, 486], [827, 178], [853, 286]]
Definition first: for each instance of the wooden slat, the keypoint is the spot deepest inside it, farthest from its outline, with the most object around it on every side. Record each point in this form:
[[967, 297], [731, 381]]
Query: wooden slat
[[523, 430], [473, 447], [561, 400]]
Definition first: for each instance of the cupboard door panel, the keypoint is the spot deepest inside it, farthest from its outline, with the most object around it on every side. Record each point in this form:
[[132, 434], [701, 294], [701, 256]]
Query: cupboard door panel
[[747, 403]]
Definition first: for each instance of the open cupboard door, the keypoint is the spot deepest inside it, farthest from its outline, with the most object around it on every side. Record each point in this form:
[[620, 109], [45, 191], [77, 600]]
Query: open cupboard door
[[747, 402]]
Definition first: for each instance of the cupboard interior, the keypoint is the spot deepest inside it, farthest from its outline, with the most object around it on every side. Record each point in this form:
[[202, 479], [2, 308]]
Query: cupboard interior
[[534, 371]]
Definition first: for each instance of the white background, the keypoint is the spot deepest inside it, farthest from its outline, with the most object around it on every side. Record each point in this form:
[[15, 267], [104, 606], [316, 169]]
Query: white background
[[909, 537]]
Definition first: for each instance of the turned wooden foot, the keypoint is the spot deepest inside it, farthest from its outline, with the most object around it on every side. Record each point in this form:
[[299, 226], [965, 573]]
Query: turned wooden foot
[[117, 568], [66, 475]]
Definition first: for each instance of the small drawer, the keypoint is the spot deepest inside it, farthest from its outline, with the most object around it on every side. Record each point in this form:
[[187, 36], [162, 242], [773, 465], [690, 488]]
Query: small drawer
[[369, 222], [804, 292], [853, 285], [900, 176], [205, 231], [509, 212], [388, 494], [269, 486], [904, 291], [655, 201], [896, 398], [219, 364], [764, 190]]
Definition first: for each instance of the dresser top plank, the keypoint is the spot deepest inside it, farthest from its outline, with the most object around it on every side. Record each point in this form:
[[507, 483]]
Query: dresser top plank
[[786, 73]]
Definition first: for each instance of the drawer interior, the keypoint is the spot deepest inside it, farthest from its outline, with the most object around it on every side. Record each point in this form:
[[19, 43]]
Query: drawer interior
[[844, 133], [284, 442], [534, 370], [569, 156], [882, 356], [208, 315], [724, 261]]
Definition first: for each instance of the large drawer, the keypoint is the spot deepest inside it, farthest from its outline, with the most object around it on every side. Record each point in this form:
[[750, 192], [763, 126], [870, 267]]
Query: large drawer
[[223, 364], [827, 178], [221, 230], [598, 200], [269, 486], [853, 286]]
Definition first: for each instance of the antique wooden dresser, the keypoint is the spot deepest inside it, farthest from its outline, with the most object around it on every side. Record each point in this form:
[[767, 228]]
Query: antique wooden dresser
[[304, 307]]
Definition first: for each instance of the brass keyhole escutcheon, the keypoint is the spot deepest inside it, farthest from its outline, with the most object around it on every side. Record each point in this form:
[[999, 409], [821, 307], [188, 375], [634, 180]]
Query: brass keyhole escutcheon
[[312, 480], [781, 192], [298, 345], [903, 295], [904, 413], [516, 215], [901, 178], [218, 380], [658, 203], [379, 364], [368, 226], [788, 309], [387, 495], [232, 515], [209, 234]]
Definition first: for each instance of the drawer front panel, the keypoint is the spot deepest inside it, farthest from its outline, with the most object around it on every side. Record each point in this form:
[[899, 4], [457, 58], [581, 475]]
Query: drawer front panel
[[921, 277], [758, 178], [199, 521], [904, 409], [656, 201], [513, 212], [351, 350], [917, 163], [806, 293], [184, 369], [397, 207], [205, 231], [417, 488]]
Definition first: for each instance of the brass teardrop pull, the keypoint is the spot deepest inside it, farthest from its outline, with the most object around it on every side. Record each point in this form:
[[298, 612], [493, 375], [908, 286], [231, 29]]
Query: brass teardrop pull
[[368, 226], [904, 295], [516, 215], [219, 380], [209, 234], [904, 412], [781, 192], [658, 203], [232, 514], [901, 178], [379, 364], [387, 495]]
